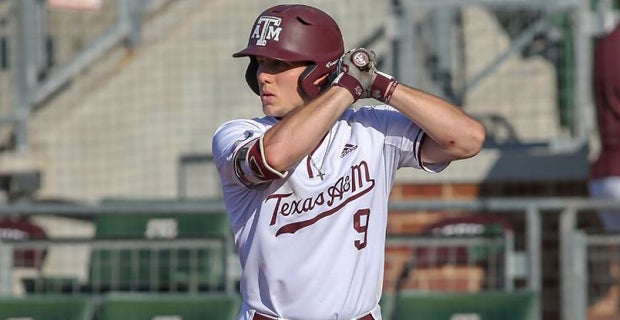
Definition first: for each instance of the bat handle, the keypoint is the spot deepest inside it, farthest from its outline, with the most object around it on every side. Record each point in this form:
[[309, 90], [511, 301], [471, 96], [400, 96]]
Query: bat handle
[[361, 59]]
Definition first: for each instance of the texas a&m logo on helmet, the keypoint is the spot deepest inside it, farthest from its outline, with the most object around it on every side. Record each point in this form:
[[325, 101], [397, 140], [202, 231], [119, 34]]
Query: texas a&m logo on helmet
[[266, 28]]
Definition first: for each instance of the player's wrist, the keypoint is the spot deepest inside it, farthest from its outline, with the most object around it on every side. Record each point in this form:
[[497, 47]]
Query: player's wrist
[[346, 81], [383, 86]]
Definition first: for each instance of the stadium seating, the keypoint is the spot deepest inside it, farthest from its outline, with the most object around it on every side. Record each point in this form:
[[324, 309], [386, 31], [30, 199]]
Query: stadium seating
[[387, 304], [416, 305], [146, 260], [170, 307], [46, 308], [50, 284]]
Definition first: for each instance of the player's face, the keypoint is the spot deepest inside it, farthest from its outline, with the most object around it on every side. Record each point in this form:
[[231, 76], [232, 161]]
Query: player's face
[[277, 81]]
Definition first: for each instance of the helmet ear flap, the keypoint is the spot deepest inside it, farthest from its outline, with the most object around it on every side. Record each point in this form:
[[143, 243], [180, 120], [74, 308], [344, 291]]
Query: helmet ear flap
[[250, 75], [308, 78], [306, 81]]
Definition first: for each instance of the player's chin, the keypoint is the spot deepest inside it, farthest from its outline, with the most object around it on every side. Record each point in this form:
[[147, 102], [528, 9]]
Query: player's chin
[[268, 111], [272, 111]]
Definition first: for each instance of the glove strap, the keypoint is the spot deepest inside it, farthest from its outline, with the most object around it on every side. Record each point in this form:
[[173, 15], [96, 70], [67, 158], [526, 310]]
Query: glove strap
[[383, 87], [350, 83]]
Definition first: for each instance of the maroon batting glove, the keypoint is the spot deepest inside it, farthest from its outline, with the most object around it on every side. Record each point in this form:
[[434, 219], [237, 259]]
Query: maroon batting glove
[[350, 83], [354, 67], [383, 86]]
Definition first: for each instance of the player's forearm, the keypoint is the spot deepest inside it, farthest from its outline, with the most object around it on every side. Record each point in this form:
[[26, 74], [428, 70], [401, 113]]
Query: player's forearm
[[299, 133], [457, 134]]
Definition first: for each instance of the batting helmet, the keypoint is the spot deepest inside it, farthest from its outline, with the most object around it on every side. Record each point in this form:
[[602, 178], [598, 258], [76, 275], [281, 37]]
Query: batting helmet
[[295, 33]]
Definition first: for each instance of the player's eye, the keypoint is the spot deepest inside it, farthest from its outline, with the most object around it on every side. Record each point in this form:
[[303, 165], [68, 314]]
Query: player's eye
[[273, 65]]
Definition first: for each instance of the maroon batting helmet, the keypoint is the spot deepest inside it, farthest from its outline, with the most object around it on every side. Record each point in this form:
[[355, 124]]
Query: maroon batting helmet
[[295, 33]]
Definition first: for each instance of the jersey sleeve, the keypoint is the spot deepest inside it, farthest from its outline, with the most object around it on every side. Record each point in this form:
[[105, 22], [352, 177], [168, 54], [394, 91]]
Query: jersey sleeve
[[405, 138], [238, 154]]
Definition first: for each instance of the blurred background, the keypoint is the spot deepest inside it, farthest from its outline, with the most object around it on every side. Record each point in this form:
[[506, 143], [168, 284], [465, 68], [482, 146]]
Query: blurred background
[[110, 203]]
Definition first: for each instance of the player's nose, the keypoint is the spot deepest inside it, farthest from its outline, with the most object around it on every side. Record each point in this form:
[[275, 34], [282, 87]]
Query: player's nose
[[263, 77]]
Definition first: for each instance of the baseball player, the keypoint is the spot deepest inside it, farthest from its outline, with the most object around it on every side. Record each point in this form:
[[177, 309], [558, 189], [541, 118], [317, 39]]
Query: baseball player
[[306, 187]]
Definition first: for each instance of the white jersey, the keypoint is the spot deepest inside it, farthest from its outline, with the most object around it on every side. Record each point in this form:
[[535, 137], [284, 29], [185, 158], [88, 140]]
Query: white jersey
[[312, 244]]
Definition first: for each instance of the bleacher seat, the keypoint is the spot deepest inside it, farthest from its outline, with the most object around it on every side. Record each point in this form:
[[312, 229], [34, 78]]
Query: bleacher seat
[[142, 268], [19, 229], [46, 308], [51, 284], [416, 305], [387, 304], [170, 306]]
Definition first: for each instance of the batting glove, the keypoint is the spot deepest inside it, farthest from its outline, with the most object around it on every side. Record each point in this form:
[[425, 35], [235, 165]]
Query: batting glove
[[358, 73], [353, 72], [382, 86]]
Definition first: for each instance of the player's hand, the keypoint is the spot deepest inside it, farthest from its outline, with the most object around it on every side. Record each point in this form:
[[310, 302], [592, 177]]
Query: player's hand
[[358, 73], [354, 72]]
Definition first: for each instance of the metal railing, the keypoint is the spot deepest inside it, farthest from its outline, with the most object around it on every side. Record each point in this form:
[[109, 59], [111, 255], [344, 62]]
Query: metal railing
[[573, 257], [128, 265]]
